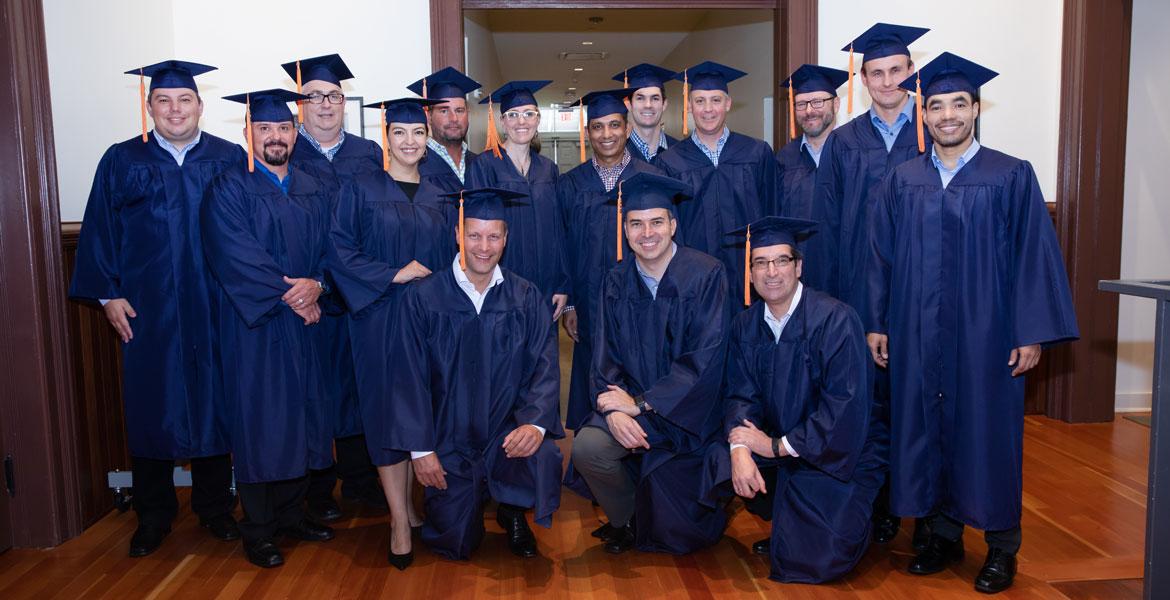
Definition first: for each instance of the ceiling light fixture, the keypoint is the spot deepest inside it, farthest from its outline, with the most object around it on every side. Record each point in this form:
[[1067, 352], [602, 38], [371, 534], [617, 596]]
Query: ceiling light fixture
[[578, 69], [586, 43]]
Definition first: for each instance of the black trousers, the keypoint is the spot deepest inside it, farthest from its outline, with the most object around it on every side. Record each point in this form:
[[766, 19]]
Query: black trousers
[[270, 506], [354, 467], [1007, 540], [154, 497]]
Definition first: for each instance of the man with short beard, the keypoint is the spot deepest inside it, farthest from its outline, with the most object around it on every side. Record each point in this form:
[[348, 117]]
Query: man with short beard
[[141, 256], [966, 285], [863, 152], [325, 150], [265, 234], [647, 106], [815, 104], [733, 177], [445, 164]]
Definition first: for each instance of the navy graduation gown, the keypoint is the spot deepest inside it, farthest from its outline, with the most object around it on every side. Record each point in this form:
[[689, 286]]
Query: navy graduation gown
[[797, 173], [742, 189], [463, 381], [814, 386], [669, 349], [535, 233], [376, 231], [591, 250], [636, 153], [957, 279], [436, 177], [357, 155], [850, 170], [141, 241], [272, 406]]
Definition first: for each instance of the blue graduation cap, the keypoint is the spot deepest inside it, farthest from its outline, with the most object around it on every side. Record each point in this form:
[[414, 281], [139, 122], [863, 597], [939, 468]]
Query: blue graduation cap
[[709, 76], [606, 102], [404, 110], [516, 93], [645, 75], [319, 68], [267, 105], [486, 203], [172, 74], [447, 82], [884, 40], [815, 78], [769, 231], [645, 191], [949, 73]]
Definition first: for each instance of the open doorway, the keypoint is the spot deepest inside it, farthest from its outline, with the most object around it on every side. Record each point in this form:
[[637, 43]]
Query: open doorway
[[581, 50]]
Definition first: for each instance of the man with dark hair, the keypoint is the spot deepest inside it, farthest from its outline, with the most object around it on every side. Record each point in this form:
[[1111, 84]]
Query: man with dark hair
[[447, 157], [966, 285], [141, 250], [648, 105]]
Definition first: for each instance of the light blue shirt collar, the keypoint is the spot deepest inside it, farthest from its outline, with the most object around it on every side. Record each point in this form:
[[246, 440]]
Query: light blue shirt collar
[[178, 155], [712, 154], [328, 153], [644, 147], [777, 324], [649, 280], [815, 153], [437, 148], [889, 132], [947, 175]]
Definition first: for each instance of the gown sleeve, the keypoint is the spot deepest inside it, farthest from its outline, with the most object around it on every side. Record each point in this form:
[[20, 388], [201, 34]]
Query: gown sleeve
[[881, 255], [360, 277], [411, 414], [539, 399], [97, 274]]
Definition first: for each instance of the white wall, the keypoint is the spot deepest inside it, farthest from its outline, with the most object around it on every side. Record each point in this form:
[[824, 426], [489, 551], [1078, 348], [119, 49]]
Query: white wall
[[483, 65], [385, 44], [1019, 40], [1144, 245]]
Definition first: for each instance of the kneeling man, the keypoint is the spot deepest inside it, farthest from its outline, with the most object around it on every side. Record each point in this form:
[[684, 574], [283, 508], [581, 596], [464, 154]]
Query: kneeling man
[[797, 412], [658, 343], [477, 390]]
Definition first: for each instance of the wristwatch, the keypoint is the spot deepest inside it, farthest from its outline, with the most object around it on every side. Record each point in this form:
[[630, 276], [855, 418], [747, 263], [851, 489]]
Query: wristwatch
[[640, 404], [775, 447]]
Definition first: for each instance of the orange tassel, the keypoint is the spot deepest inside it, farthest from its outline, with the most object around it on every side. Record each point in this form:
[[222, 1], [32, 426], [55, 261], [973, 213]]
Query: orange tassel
[[300, 110], [626, 79], [686, 101], [248, 128], [849, 103], [581, 126], [493, 138], [619, 223], [426, 109], [791, 110], [424, 94], [385, 139], [462, 241], [142, 102], [747, 269], [918, 111]]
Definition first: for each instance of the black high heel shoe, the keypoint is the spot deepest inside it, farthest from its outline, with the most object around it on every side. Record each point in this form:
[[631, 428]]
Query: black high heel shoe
[[401, 561]]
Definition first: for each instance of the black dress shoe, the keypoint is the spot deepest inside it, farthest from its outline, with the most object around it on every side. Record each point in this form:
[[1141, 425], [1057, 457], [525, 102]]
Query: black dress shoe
[[604, 532], [939, 553], [998, 572], [762, 547], [885, 528], [325, 511], [307, 531], [147, 539], [222, 528], [521, 540], [621, 541], [263, 553], [401, 561], [921, 534]]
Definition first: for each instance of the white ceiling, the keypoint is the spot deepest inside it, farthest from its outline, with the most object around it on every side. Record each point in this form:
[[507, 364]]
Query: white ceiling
[[529, 42]]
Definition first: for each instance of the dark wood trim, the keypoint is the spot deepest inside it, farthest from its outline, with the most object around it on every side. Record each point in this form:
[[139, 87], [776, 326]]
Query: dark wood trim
[[794, 40], [1094, 99], [586, 4], [447, 34], [37, 420]]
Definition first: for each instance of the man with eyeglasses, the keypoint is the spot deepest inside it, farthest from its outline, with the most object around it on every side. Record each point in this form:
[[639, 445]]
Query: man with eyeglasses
[[334, 157], [797, 408], [815, 103], [733, 177], [658, 346], [447, 157], [863, 152]]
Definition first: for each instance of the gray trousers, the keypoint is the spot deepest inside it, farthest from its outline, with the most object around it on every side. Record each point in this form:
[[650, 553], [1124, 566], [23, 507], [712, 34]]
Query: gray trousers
[[598, 457]]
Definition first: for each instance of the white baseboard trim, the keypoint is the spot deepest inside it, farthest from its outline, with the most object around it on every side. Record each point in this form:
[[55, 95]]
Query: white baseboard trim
[[1133, 402]]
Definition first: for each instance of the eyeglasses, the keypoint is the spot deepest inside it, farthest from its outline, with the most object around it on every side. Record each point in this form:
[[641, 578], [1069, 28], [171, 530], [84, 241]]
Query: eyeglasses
[[512, 115], [805, 104], [334, 98], [781, 261]]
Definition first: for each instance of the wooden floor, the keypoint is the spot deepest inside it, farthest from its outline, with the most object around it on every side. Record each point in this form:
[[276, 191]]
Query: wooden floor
[[1084, 507]]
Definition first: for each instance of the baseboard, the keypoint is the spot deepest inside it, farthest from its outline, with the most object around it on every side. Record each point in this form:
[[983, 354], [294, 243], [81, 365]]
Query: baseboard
[[1133, 402]]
